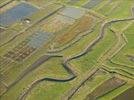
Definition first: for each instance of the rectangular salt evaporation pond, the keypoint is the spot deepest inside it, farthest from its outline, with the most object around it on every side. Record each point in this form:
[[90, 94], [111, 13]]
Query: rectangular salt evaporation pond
[[92, 3], [20, 11], [39, 39], [72, 12]]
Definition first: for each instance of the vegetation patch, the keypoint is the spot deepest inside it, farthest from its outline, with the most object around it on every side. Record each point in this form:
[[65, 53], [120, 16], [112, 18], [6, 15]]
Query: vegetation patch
[[105, 87]]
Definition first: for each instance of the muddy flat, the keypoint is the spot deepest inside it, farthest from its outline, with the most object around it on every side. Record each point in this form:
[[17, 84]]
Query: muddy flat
[[127, 95], [1, 30]]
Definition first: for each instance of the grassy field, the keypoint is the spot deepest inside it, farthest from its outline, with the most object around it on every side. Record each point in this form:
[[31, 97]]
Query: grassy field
[[52, 69], [90, 85], [89, 60], [91, 56], [122, 57]]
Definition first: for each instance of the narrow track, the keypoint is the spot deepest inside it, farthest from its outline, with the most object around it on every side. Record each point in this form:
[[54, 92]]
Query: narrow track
[[6, 3]]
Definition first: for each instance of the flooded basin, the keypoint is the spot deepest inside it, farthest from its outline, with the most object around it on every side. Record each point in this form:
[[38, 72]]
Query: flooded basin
[[72, 12], [39, 39], [73, 1], [16, 13], [92, 3]]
